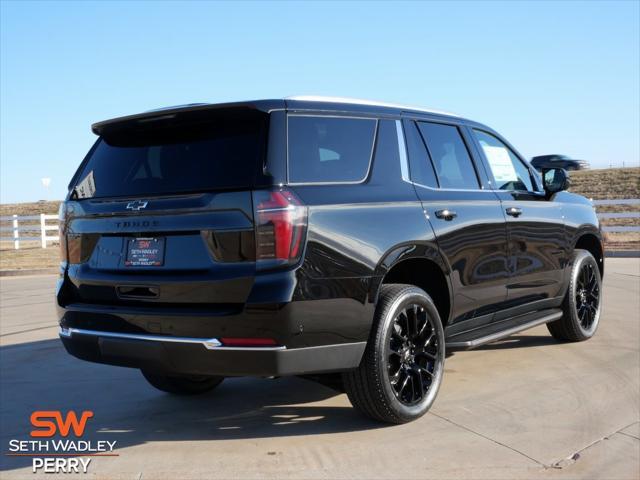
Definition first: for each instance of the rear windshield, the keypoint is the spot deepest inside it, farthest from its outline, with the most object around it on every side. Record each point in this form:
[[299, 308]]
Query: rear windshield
[[166, 157]]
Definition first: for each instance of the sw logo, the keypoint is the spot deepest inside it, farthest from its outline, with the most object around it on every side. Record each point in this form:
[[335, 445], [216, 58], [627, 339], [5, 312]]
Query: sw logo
[[60, 454], [51, 422]]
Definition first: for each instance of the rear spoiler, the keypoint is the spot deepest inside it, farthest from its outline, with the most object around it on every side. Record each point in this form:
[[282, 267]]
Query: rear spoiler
[[194, 110]]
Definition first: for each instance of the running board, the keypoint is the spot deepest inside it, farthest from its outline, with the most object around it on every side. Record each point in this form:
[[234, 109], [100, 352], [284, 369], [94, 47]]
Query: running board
[[504, 333]]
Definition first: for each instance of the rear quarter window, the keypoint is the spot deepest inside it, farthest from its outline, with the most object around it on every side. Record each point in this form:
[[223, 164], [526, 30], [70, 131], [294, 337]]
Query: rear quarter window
[[329, 149]]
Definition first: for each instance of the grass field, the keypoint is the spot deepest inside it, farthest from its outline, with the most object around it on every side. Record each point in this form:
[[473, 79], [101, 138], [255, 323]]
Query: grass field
[[33, 208], [607, 183], [594, 184]]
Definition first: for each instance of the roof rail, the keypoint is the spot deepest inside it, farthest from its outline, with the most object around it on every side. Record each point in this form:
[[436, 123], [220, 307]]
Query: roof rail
[[172, 107], [374, 103]]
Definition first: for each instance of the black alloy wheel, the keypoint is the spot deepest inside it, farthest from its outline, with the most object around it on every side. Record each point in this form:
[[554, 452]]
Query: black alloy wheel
[[401, 370], [587, 295], [583, 301], [413, 352]]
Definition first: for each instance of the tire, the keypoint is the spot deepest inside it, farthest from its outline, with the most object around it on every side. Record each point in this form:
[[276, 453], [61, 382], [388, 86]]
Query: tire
[[582, 303], [182, 385], [403, 363]]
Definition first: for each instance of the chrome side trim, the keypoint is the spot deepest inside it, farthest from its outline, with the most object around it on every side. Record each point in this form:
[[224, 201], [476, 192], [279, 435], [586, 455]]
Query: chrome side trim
[[208, 343], [505, 333], [402, 150]]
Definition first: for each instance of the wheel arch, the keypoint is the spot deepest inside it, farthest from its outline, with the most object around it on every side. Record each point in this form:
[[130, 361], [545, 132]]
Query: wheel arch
[[420, 265], [592, 242]]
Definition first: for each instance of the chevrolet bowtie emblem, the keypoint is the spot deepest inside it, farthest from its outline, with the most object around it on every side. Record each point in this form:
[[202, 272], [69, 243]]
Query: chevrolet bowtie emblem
[[137, 205]]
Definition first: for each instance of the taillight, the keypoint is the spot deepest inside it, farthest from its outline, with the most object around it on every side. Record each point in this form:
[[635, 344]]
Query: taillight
[[74, 247], [81, 246], [62, 216], [281, 224]]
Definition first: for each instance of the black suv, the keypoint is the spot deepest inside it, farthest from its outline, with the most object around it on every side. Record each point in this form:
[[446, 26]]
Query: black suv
[[544, 162], [345, 241]]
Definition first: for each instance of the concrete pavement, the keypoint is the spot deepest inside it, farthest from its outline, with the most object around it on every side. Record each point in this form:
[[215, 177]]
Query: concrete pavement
[[527, 407]]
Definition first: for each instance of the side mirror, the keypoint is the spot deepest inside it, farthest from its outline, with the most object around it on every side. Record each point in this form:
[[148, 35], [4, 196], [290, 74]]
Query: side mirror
[[555, 180]]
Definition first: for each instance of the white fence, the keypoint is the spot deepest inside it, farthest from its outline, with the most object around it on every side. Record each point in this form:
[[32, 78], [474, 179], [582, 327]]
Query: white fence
[[29, 228], [614, 215]]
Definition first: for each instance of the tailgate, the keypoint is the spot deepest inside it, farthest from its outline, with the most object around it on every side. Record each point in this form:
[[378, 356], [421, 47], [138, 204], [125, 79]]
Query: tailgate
[[205, 243]]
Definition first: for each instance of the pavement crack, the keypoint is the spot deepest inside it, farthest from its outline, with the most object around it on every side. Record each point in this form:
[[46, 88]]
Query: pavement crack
[[629, 435], [490, 439], [571, 459]]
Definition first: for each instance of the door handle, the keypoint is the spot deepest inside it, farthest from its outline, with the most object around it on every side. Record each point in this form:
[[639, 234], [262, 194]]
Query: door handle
[[514, 211], [446, 214]]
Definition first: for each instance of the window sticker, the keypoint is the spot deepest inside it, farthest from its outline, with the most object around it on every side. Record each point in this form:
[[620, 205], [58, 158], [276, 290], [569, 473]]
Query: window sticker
[[87, 187], [500, 164]]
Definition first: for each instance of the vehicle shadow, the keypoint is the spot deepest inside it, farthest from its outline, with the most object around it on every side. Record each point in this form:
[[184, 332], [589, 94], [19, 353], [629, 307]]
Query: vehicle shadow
[[42, 376]]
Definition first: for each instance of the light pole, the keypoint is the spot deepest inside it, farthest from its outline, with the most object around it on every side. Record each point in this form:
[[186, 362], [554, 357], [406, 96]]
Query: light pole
[[46, 181]]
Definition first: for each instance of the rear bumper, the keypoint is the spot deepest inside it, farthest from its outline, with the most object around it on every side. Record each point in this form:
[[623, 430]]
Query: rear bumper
[[206, 356]]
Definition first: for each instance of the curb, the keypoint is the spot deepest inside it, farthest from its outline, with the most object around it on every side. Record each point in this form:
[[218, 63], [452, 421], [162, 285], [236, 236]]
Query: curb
[[32, 271]]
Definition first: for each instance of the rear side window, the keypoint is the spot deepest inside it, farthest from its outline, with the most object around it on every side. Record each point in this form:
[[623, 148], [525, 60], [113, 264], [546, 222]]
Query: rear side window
[[165, 159], [329, 149], [450, 156], [421, 167]]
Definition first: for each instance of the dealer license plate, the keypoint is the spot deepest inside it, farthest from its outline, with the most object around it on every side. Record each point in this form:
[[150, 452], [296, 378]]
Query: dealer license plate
[[145, 252]]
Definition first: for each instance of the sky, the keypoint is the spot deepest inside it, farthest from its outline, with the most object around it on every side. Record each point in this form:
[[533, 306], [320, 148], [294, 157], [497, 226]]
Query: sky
[[552, 77]]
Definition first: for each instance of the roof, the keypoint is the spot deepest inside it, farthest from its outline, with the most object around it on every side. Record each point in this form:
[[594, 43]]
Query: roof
[[266, 105]]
